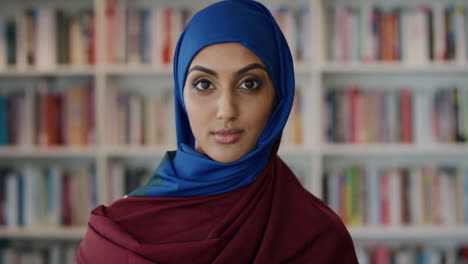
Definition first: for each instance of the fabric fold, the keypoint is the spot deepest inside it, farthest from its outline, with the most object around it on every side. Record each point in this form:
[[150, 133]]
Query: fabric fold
[[273, 220]]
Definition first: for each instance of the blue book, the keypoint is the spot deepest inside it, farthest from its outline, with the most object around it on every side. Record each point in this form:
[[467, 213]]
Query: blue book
[[50, 190], [11, 42], [21, 220], [3, 120], [145, 35]]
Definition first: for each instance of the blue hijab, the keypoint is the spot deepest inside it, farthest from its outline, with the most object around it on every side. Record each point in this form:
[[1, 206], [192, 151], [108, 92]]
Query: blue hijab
[[186, 172]]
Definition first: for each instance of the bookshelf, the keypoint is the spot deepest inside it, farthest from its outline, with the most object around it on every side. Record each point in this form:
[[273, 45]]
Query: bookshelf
[[311, 158], [382, 75]]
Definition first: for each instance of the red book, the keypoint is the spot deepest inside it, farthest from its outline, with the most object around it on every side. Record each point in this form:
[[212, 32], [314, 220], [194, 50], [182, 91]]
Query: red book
[[67, 200], [166, 51], [111, 26], [406, 116], [353, 97], [381, 255], [384, 199], [51, 120]]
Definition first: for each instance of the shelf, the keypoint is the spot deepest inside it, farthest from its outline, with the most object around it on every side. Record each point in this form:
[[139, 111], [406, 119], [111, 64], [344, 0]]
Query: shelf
[[138, 70], [291, 150], [393, 149], [60, 233], [409, 233], [47, 152], [395, 67], [58, 71], [137, 151]]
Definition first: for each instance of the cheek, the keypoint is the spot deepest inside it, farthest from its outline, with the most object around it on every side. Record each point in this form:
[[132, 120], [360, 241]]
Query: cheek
[[198, 115], [259, 112]]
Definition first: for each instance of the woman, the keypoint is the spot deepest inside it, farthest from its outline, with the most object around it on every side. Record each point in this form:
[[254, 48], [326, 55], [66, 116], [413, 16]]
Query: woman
[[224, 196]]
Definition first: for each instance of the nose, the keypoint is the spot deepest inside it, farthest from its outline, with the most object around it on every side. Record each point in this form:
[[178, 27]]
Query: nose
[[227, 106]]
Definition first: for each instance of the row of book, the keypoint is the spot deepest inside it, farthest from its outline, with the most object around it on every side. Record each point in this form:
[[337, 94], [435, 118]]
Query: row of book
[[383, 254], [35, 253], [414, 195], [36, 196], [356, 115], [140, 119], [297, 27], [142, 35], [136, 118], [414, 35], [125, 178], [48, 115], [45, 37], [449, 115], [361, 115], [149, 35]]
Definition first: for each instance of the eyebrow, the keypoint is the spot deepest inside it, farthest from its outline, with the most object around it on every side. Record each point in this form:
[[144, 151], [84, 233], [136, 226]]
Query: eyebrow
[[239, 72]]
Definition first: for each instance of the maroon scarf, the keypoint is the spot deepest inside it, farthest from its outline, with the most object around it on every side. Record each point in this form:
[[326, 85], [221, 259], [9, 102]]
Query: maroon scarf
[[272, 220]]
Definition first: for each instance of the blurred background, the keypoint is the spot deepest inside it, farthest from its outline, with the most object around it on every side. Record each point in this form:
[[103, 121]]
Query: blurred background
[[378, 128]]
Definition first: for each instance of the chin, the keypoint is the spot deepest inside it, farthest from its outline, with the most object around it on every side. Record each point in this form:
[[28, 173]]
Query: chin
[[226, 157]]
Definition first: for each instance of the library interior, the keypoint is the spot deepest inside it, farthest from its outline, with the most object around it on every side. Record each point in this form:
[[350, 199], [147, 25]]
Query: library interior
[[378, 129]]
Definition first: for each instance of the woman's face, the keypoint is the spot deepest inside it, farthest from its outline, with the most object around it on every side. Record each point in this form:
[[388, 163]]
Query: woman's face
[[229, 98]]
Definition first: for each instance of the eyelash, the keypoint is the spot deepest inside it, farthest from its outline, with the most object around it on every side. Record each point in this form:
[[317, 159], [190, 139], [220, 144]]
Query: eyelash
[[197, 82], [258, 83]]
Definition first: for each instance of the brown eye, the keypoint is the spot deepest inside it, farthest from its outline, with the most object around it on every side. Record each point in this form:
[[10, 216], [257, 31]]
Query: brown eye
[[251, 84], [203, 85]]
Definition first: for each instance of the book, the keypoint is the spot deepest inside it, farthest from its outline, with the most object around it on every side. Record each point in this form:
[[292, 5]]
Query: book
[[411, 34], [413, 195]]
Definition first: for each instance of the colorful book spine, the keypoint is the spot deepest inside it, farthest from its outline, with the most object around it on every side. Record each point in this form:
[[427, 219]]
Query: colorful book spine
[[417, 254], [414, 35], [140, 119], [36, 196], [45, 37], [406, 196], [355, 115]]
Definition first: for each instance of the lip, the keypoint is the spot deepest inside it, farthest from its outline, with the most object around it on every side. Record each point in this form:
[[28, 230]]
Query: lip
[[227, 136]]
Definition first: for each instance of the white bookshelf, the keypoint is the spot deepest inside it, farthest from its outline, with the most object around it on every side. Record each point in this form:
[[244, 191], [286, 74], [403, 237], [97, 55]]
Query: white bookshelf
[[52, 233], [137, 70], [394, 149], [410, 233], [343, 154], [314, 154], [47, 152], [57, 71], [393, 67]]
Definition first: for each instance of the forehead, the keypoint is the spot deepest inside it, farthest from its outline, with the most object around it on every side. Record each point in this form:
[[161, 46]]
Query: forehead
[[227, 55]]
